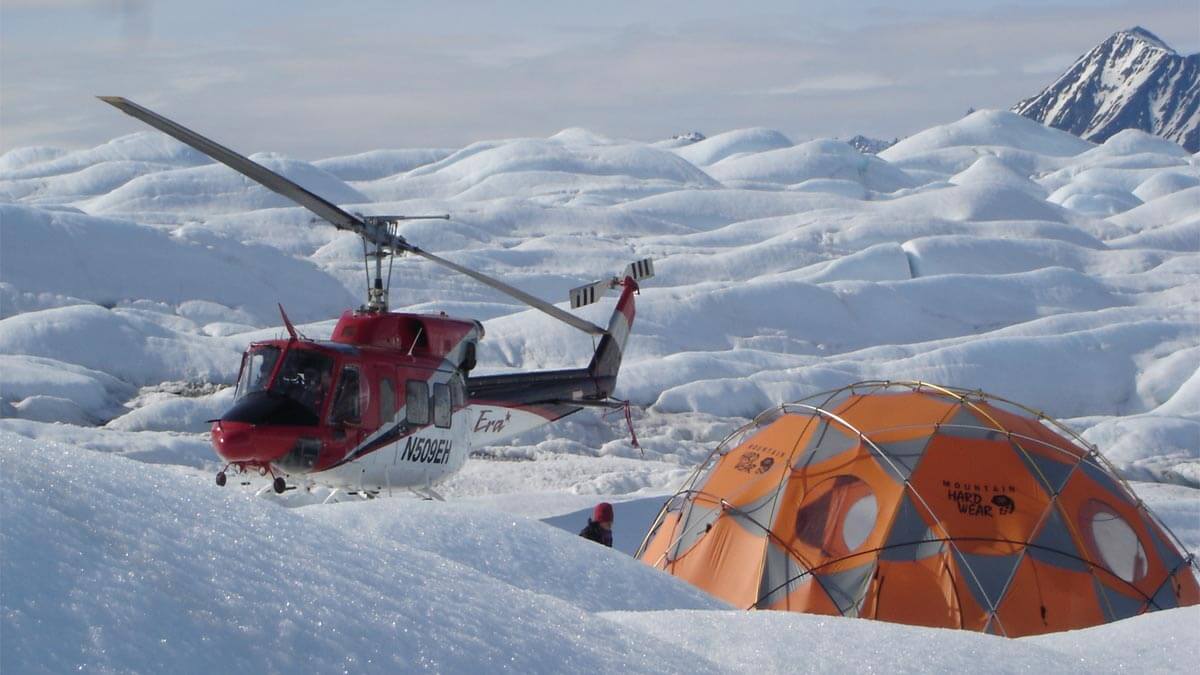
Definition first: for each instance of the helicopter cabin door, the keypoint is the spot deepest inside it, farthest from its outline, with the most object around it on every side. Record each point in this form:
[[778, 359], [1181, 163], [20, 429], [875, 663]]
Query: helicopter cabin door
[[348, 414]]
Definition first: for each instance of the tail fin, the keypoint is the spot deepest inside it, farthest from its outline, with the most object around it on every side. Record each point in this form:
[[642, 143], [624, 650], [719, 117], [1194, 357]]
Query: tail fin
[[562, 392], [607, 360]]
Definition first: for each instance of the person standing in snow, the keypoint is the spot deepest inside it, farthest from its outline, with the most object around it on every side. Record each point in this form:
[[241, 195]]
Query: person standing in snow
[[599, 527]]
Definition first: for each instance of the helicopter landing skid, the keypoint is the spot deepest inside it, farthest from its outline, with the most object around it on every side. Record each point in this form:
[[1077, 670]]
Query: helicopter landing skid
[[427, 493]]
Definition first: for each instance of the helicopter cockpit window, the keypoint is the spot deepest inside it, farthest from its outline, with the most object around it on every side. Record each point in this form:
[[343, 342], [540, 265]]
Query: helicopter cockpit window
[[257, 372], [305, 377], [346, 404], [416, 401]]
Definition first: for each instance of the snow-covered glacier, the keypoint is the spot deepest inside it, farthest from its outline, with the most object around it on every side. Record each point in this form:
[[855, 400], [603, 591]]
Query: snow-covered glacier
[[991, 252]]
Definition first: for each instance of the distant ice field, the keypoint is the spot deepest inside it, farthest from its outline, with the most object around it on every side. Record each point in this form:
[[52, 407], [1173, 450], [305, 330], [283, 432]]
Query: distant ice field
[[988, 253]]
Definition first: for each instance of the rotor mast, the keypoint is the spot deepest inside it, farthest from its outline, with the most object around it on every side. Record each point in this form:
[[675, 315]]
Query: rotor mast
[[377, 289]]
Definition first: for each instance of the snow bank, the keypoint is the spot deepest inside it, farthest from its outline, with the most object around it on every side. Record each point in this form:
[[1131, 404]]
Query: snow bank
[[789, 642], [517, 551], [277, 590]]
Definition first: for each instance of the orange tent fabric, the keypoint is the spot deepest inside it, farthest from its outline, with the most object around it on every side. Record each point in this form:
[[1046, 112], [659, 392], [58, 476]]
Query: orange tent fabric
[[925, 505]]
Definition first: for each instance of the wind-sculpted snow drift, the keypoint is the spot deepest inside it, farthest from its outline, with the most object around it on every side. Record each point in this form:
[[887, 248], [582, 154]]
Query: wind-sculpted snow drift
[[991, 252]]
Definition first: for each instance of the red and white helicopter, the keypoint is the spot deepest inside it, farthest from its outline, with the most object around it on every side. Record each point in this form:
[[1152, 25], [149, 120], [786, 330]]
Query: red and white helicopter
[[389, 402]]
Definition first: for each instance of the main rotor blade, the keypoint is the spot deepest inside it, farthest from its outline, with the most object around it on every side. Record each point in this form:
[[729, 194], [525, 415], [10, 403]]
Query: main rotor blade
[[372, 232], [562, 315], [256, 172]]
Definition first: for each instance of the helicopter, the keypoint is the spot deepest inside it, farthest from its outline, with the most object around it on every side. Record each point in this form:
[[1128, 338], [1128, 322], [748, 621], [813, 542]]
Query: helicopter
[[389, 401]]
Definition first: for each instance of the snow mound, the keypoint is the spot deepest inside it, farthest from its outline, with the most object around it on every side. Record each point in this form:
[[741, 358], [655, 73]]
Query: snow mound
[[218, 189], [115, 262], [815, 159], [171, 412], [741, 141], [570, 155], [1135, 142], [990, 128], [1095, 199], [1161, 184], [40, 388], [132, 345], [144, 146], [19, 158], [378, 164], [975, 202], [1172, 209], [279, 590], [989, 170]]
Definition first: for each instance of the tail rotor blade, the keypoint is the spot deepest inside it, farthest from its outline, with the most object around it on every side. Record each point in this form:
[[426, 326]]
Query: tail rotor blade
[[588, 293]]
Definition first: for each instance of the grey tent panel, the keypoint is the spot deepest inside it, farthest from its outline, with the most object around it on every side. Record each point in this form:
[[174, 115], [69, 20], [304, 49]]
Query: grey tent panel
[[1117, 606], [909, 538], [848, 589], [781, 575], [965, 424], [1103, 478], [827, 440], [991, 575], [904, 456], [1169, 554], [693, 525], [1164, 597], [1055, 545], [758, 516], [1051, 474]]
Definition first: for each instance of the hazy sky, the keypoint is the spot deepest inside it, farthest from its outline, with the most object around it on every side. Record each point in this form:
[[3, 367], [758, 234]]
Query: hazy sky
[[317, 79]]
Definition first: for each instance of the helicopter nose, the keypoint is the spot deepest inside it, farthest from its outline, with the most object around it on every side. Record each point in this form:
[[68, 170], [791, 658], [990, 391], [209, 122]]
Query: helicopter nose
[[242, 442]]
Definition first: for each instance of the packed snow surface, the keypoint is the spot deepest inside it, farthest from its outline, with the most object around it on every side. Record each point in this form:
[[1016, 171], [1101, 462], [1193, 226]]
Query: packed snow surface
[[991, 252], [151, 568]]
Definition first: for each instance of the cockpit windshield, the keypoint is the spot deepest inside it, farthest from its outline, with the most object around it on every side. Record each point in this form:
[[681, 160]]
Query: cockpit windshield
[[305, 377], [256, 374]]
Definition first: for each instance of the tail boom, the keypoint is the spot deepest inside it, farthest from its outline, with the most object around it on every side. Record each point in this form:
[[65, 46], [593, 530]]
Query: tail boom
[[529, 400]]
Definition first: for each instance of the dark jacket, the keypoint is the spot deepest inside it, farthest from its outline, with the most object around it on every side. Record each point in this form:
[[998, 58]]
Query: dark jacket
[[596, 533]]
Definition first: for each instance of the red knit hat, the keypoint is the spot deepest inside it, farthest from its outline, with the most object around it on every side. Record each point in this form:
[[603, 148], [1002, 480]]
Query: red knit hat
[[603, 513]]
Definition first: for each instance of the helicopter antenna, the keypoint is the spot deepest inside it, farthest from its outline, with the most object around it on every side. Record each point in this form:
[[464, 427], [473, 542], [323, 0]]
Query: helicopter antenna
[[376, 231]]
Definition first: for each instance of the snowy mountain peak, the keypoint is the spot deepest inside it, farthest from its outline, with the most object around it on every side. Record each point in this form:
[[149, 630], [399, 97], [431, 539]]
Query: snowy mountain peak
[[1142, 35], [1132, 80]]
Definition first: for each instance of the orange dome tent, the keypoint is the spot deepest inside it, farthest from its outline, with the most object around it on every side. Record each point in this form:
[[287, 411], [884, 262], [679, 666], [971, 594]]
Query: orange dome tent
[[920, 504]]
